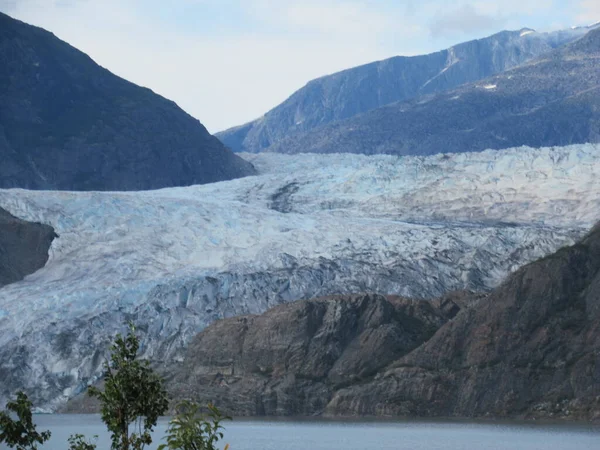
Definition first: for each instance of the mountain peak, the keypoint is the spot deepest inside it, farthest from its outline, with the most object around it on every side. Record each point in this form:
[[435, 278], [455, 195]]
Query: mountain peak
[[355, 91], [548, 101], [66, 123]]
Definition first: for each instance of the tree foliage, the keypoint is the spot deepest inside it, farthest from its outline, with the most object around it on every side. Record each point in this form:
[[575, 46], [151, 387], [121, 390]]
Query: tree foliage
[[190, 430], [20, 433], [79, 442], [133, 395]]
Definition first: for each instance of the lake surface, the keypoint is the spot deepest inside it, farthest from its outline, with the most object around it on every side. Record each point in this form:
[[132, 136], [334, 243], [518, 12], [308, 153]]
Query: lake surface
[[332, 435]]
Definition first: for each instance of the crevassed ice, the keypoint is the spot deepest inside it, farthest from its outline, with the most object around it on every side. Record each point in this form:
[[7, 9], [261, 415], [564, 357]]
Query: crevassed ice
[[176, 259]]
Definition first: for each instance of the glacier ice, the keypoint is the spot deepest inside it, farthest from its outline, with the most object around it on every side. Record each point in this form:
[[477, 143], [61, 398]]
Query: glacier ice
[[175, 259]]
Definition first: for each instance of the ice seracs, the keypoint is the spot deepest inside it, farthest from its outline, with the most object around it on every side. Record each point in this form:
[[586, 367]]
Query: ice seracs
[[174, 260]]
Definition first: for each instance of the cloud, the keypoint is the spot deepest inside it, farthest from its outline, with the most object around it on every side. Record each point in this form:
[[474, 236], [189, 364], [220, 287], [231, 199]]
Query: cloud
[[481, 17], [589, 12], [331, 17], [464, 19], [8, 5], [352, 21], [12, 5]]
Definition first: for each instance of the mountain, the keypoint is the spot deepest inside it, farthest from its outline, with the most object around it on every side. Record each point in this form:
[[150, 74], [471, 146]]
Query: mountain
[[361, 89], [552, 100], [528, 349], [68, 124], [23, 247], [175, 260]]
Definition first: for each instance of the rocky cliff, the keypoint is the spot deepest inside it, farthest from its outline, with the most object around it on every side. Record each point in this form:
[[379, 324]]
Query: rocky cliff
[[293, 358], [360, 89], [68, 124], [23, 247], [528, 349], [552, 100]]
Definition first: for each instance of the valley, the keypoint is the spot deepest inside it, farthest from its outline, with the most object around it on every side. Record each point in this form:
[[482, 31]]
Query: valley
[[415, 237], [177, 259]]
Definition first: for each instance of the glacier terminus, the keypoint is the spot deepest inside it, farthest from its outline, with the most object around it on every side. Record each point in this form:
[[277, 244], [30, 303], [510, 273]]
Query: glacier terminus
[[176, 259]]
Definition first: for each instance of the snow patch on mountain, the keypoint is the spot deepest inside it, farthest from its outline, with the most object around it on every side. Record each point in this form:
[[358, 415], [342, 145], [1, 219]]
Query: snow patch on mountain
[[176, 259]]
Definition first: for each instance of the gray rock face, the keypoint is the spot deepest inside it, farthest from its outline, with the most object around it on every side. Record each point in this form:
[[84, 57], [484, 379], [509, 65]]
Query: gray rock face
[[529, 349], [68, 124], [290, 360], [23, 247], [354, 91], [552, 100]]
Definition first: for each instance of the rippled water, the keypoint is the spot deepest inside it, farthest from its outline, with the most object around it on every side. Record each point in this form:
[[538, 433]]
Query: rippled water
[[329, 435]]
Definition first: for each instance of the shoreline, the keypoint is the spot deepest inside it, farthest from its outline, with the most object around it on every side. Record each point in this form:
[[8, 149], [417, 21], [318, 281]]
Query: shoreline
[[514, 421]]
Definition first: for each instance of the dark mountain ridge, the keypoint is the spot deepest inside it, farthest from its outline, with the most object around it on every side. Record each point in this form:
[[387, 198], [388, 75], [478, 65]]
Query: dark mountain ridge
[[354, 91], [553, 100], [66, 123]]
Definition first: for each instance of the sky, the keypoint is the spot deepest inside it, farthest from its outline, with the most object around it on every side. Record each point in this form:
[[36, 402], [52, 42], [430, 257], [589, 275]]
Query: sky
[[227, 62]]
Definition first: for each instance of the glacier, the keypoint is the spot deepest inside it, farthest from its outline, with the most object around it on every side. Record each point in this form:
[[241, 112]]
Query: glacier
[[174, 260]]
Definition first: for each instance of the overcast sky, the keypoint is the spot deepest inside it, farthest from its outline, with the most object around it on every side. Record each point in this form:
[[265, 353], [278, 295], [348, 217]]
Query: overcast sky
[[229, 61]]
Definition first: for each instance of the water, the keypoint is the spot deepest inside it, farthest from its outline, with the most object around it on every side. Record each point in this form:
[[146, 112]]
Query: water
[[329, 435]]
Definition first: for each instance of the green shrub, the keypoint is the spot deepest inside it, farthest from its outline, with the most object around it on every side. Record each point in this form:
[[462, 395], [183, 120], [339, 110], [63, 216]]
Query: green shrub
[[79, 442], [133, 394], [20, 433], [190, 430]]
